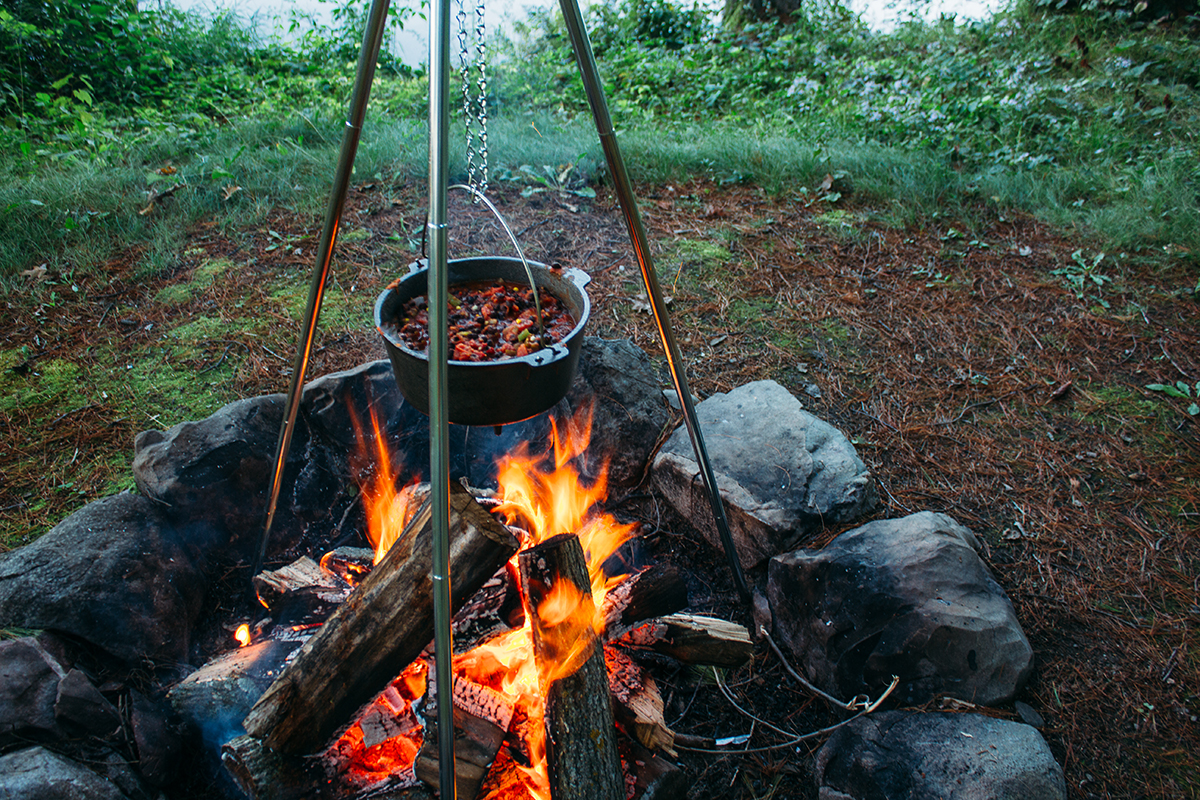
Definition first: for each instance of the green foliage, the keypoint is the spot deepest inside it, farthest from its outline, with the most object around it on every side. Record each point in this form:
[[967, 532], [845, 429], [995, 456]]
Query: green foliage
[[1087, 123], [1181, 391]]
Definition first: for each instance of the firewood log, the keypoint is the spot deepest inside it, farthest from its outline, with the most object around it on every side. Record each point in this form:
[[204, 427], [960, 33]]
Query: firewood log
[[381, 628], [637, 703], [581, 748], [693, 639]]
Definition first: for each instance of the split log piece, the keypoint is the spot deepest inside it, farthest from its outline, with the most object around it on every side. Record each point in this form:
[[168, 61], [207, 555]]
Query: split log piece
[[481, 719], [581, 748], [649, 776], [653, 592], [273, 586], [693, 639], [381, 628], [637, 703]]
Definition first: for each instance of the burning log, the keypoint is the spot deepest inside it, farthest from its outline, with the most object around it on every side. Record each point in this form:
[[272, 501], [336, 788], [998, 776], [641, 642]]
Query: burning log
[[274, 586], [379, 630], [694, 640], [481, 719], [581, 748], [351, 564], [653, 592], [637, 703]]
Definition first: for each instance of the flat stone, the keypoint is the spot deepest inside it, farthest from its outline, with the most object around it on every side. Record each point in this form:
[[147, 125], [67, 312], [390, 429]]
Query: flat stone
[[115, 574], [35, 773], [29, 677], [907, 597], [158, 746], [897, 755], [783, 473], [81, 705]]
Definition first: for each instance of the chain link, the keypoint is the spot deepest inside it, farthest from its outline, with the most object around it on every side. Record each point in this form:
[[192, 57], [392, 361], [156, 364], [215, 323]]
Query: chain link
[[474, 108]]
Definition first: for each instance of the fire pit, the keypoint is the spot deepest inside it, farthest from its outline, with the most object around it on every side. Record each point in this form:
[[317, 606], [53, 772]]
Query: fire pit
[[555, 618]]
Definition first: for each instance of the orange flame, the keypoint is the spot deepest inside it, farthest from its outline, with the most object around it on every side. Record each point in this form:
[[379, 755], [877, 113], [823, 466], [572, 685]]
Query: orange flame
[[388, 510], [242, 634], [544, 493]]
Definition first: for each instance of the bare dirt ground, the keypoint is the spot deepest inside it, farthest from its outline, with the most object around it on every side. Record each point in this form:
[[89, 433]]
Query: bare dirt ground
[[972, 379]]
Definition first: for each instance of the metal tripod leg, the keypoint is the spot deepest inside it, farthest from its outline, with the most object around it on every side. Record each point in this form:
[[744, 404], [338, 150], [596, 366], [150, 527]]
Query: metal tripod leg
[[367, 59], [633, 220]]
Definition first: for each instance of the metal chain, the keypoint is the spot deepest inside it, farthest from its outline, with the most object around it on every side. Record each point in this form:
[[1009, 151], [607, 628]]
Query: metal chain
[[474, 109]]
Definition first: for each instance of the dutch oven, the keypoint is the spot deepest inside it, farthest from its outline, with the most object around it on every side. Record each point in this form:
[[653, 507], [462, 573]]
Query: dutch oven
[[488, 392]]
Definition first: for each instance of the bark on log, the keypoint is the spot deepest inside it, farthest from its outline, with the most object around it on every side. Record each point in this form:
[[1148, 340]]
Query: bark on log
[[581, 748], [694, 639], [381, 628], [655, 591], [263, 774]]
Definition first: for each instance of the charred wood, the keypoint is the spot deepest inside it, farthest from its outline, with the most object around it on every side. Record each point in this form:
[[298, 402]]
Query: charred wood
[[274, 586], [637, 703], [581, 748], [693, 639], [264, 774], [649, 776], [351, 564], [655, 591], [380, 629]]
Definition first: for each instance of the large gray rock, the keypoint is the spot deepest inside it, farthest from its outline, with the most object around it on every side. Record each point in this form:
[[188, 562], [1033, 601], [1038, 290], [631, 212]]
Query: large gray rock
[[35, 773], [115, 574], [615, 377], [907, 597], [629, 412], [898, 755], [217, 472], [783, 473]]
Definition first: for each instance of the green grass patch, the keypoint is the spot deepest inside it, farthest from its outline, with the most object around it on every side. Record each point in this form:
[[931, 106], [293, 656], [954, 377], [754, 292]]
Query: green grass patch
[[54, 383]]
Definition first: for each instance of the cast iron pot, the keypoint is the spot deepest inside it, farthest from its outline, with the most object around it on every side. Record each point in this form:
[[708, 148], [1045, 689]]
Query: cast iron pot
[[488, 392]]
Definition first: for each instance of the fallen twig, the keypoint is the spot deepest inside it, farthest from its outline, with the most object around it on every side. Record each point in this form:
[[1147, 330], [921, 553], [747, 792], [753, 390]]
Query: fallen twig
[[853, 704], [796, 738]]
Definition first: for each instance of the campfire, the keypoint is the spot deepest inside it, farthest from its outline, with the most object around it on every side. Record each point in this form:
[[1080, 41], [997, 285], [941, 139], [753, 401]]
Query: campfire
[[548, 625]]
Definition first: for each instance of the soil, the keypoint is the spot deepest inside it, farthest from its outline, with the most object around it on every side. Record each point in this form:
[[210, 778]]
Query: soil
[[984, 373]]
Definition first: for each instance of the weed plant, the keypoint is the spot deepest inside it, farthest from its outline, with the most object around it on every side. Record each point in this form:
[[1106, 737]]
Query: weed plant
[[1085, 118]]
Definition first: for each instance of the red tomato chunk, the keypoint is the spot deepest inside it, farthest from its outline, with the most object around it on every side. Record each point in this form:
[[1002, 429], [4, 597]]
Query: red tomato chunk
[[489, 321]]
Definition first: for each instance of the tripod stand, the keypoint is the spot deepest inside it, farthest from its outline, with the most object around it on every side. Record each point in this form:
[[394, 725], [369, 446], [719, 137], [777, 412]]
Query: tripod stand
[[439, 181]]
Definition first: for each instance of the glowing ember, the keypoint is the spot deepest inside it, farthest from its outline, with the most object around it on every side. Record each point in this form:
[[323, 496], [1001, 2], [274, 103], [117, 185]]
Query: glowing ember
[[242, 634]]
